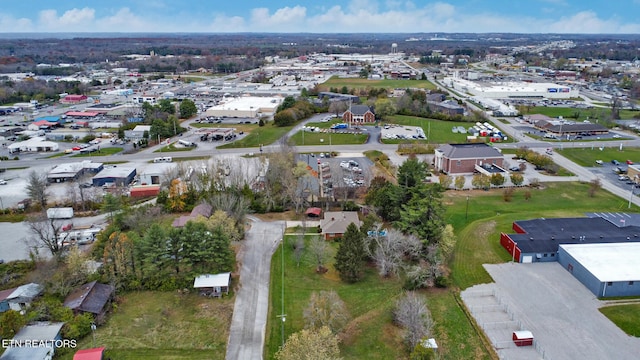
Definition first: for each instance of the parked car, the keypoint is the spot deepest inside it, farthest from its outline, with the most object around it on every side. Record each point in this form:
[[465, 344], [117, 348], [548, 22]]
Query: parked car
[[615, 162], [629, 162], [599, 162], [3, 182]]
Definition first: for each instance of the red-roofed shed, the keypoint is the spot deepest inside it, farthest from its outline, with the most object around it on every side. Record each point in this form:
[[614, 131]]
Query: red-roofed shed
[[313, 212], [89, 354]]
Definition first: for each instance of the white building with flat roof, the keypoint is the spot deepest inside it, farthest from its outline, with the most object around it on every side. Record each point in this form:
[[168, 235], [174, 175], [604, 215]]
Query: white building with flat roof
[[511, 89], [246, 107], [607, 269]]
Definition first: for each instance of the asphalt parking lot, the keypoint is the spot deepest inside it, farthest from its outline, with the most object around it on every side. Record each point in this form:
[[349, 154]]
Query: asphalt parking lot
[[561, 313], [333, 175]]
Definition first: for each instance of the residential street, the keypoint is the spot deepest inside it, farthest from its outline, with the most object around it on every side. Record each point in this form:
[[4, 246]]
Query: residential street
[[248, 325]]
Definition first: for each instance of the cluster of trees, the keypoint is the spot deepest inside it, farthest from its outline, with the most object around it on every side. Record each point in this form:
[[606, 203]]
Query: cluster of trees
[[540, 161], [292, 111], [35, 89], [423, 243], [163, 120]]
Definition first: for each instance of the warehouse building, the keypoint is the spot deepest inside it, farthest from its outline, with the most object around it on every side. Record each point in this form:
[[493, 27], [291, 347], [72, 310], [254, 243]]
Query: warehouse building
[[512, 90], [246, 107], [118, 176], [73, 171], [538, 240], [608, 270]]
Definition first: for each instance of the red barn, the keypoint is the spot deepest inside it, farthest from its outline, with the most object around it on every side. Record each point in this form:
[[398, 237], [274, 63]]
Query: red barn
[[73, 99]]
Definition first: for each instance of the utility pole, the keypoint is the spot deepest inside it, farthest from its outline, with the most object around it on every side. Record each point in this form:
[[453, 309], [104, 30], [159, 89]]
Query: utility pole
[[282, 315]]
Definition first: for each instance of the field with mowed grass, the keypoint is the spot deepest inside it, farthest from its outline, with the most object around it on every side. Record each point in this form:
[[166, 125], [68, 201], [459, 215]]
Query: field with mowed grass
[[627, 317], [264, 135], [479, 220], [370, 334], [437, 131], [363, 84], [327, 138], [588, 156], [166, 326]]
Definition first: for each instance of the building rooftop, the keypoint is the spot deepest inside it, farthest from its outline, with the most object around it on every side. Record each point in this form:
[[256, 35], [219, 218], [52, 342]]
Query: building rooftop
[[608, 262], [210, 280], [469, 151], [39, 331], [115, 172]]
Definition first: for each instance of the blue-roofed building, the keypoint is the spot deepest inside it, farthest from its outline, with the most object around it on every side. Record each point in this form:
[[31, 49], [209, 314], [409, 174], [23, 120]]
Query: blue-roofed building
[[52, 119]]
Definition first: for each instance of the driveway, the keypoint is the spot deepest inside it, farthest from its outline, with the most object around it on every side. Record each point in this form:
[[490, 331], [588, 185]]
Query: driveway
[[248, 324]]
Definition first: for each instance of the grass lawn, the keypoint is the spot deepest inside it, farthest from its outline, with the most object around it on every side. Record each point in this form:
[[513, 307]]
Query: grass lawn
[[627, 317], [359, 83], [265, 135], [583, 114], [438, 131], [478, 229], [107, 151], [165, 325], [588, 156], [313, 138], [370, 334]]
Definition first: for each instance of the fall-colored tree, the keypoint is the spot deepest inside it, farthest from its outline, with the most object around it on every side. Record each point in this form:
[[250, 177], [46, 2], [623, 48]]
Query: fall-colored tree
[[311, 344]]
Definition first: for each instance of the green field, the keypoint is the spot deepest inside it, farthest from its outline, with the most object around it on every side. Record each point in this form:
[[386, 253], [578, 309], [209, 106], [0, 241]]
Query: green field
[[479, 228], [627, 317], [583, 114], [107, 151], [588, 156], [359, 83], [437, 131], [164, 325], [264, 135], [370, 333], [313, 138]]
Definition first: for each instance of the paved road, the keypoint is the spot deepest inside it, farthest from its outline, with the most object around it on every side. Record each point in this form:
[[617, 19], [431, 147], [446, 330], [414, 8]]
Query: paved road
[[248, 324]]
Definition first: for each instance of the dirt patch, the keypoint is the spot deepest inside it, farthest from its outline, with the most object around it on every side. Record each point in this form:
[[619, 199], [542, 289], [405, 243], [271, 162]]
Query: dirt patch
[[352, 330], [485, 229]]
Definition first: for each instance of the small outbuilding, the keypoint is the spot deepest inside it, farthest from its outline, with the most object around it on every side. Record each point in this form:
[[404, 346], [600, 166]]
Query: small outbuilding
[[522, 338], [22, 297], [89, 354], [213, 285], [313, 212], [60, 213], [93, 298]]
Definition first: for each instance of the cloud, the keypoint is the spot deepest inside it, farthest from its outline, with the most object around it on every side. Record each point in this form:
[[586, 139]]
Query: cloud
[[70, 20], [354, 16]]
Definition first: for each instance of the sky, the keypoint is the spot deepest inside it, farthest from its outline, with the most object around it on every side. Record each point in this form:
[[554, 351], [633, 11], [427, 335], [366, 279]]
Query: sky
[[326, 16]]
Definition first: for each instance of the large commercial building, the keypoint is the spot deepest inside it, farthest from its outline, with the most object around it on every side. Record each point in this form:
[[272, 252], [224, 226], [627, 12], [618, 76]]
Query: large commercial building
[[600, 250], [119, 176], [512, 90], [246, 107], [607, 270]]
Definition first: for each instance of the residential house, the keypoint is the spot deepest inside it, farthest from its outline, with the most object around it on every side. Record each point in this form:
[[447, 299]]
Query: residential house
[[22, 297], [41, 332], [335, 223], [93, 298], [199, 210]]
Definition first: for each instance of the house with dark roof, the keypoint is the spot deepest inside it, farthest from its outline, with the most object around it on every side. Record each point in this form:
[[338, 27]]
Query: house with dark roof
[[93, 298], [466, 158], [335, 223], [199, 210], [359, 114]]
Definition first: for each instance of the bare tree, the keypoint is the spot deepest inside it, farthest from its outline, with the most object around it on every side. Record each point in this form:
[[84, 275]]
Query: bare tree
[[46, 233], [326, 309], [389, 250], [412, 314], [298, 246], [37, 188], [320, 252]]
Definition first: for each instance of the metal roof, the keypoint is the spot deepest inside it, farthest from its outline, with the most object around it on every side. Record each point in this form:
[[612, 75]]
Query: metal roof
[[115, 172], [211, 280], [39, 331], [608, 262]]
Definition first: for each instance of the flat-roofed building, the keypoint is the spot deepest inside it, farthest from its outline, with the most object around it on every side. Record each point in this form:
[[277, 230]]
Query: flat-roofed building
[[246, 107], [608, 270]]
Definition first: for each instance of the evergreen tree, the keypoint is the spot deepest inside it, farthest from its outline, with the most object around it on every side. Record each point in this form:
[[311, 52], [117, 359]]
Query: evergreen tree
[[351, 254]]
